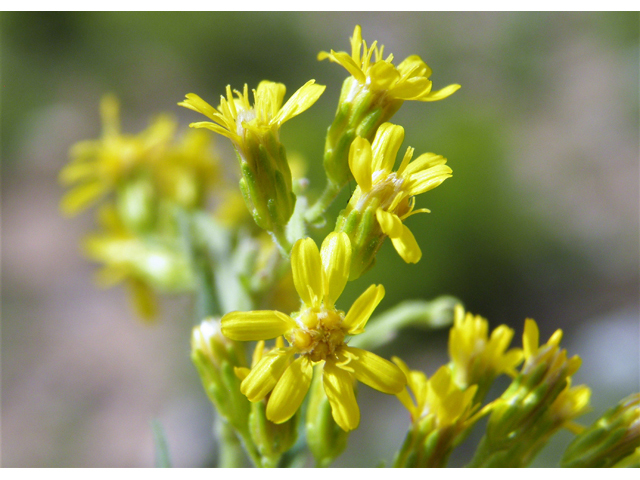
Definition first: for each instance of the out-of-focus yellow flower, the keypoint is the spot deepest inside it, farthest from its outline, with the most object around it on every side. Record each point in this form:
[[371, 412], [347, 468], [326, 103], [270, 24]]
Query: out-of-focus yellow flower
[[189, 170], [266, 182], [408, 81], [442, 415], [476, 358], [539, 401], [384, 198], [438, 396], [613, 440], [316, 334], [97, 167], [144, 264]]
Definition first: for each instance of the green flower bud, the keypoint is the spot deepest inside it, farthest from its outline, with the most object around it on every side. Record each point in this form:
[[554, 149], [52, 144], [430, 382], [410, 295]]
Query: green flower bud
[[325, 438], [266, 182], [216, 358], [539, 402], [272, 440], [612, 439]]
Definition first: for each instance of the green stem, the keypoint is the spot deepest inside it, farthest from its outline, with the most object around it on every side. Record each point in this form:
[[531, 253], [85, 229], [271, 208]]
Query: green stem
[[329, 194], [280, 237], [416, 313], [231, 454]]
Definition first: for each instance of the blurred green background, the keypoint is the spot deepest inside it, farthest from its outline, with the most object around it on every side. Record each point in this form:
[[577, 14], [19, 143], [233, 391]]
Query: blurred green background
[[539, 220]]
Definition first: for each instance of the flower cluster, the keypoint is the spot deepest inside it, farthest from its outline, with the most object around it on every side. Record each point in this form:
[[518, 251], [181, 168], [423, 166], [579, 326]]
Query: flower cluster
[[170, 221]]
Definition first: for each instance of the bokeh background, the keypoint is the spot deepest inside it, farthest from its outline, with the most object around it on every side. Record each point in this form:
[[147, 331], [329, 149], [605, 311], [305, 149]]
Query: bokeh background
[[540, 219]]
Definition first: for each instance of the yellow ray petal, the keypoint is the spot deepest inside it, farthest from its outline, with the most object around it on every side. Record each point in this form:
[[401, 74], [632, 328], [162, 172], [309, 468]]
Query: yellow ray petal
[[376, 372], [428, 179], [385, 146], [413, 66], [300, 101], [530, 338], [338, 386], [336, 261], [256, 325], [403, 240], [360, 162], [439, 94], [362, 309], [264, 376], [289, 392], [307, 271], [411, 89]]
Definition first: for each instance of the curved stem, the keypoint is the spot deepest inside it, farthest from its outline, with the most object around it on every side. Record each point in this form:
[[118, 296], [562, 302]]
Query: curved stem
[[329, 194]]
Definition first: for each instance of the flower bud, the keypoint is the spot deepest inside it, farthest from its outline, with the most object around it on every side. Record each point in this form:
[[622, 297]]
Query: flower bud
[[612, 440], [216, 357], [536, 405], [325, 438]]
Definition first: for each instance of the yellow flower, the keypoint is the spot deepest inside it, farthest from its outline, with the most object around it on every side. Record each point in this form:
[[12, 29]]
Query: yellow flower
[[386, 194], [408, 81], [316, 334], [476, 358], [236, 115], [571, 403], [99, 166], [550, 352], [144, 264], [266, 182], [438, 397], [189, 170], [442, 414]]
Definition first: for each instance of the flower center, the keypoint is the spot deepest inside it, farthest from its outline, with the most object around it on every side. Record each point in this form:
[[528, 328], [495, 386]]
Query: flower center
[[320, 332], [385, 188]]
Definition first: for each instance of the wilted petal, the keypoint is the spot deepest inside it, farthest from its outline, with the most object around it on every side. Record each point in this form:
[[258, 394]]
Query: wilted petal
[[264, 376], [376, 372], [362, 308], [307, 271], [338, 386], [256, 325], [290, 391]]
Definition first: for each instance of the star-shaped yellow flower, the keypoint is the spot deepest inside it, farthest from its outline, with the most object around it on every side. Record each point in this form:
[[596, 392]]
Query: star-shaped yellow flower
[[391, 194], [316, 334], [408, 81], [476, 357], [236, 114]]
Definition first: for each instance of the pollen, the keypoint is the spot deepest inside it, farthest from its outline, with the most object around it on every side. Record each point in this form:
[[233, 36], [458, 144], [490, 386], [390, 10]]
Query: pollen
[[320, 332]]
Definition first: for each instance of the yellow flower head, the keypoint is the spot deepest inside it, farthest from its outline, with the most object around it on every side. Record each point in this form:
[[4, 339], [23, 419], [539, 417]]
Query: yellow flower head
[[266, 182], [408, 81], [476, 357], [189, 170], [438, 397], [316, 334], [98, 166], [236, 115], [391, 193], [550, 352]]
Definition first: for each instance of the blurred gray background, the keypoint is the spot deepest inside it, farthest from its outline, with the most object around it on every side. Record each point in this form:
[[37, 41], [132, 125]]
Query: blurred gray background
[[539, 220]]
